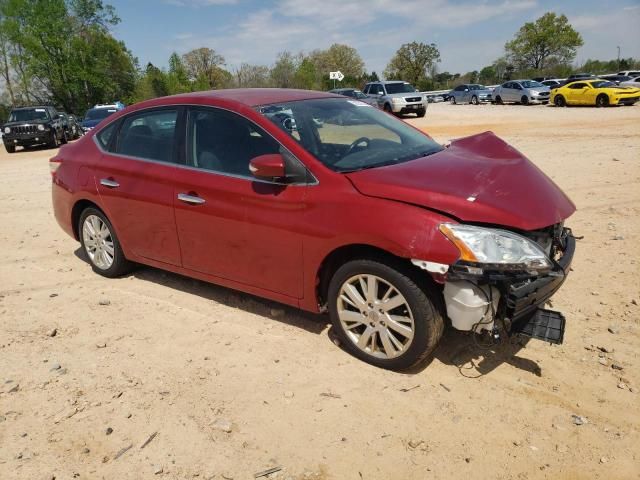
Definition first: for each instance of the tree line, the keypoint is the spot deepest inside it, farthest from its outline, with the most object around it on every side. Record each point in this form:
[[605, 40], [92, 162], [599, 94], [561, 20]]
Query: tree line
[[62, 52]]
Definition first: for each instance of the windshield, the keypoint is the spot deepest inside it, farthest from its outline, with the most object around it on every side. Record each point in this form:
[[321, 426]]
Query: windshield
[[348, 135], [399, 88], [29, 115], [603, 84], [531, 84], [99, 113], [358, 94]]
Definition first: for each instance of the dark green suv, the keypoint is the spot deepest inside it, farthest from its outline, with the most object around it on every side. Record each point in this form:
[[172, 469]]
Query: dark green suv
[[30, 126]]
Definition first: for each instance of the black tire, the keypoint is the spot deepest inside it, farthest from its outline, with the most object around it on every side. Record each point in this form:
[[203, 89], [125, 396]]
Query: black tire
[[424, 301], [10, 148], [559, 101], [524, 100], [499, 100], [64, 139], [452, 100], [474, 100], [602, 100], [120, 265], [54, 143], [421, 113]]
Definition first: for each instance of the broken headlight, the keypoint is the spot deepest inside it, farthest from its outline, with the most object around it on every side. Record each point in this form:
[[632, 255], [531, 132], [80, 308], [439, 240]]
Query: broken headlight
[[496, 248]]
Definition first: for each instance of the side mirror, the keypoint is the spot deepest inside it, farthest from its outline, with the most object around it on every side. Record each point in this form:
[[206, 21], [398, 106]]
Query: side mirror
[[466, 89], [267, 167]]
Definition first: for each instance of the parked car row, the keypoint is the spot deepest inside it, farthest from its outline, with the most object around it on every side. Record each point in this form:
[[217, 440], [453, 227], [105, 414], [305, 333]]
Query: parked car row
[[44, 125], [579, 89]]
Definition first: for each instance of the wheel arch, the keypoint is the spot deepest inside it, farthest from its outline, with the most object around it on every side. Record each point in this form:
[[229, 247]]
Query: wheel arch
[[79, 207], [340, 255]]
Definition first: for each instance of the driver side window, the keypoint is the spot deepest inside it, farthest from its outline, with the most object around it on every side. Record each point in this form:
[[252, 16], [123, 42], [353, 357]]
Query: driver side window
[[224, 142]]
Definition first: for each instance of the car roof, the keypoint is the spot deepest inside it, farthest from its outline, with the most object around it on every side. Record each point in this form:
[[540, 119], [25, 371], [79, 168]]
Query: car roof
[[253, 97]]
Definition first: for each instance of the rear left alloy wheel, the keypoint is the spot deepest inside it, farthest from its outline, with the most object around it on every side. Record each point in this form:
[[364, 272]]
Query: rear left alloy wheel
[[382, 316], [101, 245]]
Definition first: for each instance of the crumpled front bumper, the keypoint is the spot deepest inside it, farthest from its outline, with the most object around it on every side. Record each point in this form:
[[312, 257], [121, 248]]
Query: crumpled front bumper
[[522, 294], [523, 298]]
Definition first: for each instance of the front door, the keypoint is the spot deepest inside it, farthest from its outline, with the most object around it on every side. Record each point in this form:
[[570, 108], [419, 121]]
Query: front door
[[229, 224], [134, 178]]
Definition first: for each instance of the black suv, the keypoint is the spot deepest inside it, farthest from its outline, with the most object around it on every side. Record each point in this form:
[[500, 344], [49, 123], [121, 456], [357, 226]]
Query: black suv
[[29, 126]]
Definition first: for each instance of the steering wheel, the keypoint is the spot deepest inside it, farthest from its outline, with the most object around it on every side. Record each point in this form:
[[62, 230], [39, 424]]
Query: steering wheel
[[356, 142]]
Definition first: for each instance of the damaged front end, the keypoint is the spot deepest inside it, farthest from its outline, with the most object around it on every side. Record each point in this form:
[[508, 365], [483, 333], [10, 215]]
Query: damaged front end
[[503, 279]]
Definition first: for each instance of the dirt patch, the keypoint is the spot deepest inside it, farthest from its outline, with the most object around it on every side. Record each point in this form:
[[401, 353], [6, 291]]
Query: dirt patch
[[235, 385]]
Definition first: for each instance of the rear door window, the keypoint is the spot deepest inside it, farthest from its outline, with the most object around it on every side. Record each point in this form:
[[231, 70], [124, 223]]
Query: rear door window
[[150, 135]]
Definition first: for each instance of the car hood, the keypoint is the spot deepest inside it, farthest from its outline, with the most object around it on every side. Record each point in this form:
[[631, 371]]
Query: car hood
[[539, 89], [478, 179], [402, 95]]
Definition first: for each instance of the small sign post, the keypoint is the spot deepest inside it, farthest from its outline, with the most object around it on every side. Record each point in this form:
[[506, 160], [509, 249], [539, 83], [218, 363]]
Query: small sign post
[[336, 76]]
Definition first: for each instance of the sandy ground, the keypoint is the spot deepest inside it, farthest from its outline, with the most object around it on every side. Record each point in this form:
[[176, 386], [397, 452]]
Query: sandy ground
[[189, 360]]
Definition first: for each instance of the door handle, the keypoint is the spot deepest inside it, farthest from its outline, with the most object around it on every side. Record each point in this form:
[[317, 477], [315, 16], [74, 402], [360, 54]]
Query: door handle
[[107, 182], [192, 199]]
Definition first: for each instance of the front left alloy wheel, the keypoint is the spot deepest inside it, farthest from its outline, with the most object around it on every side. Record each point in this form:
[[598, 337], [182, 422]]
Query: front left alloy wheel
[[101, 245], [382, 316]]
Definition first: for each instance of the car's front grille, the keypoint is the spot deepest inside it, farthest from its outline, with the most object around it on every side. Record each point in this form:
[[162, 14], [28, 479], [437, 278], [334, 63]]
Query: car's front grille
[[413, 99], [25, 129], [543, 94]]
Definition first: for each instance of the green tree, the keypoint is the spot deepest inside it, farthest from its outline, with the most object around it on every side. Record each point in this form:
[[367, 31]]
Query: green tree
[[64, 50], [550, 38], [305, 76], [252, 76], [204, 64], [177, 77], [412, 61], [284, 70], [337, 57]]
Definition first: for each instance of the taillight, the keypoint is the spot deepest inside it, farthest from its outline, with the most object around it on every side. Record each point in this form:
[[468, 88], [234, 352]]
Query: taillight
[[54, 165]]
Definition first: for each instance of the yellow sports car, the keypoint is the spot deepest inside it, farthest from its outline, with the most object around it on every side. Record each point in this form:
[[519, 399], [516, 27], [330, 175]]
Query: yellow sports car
[[600, 93]]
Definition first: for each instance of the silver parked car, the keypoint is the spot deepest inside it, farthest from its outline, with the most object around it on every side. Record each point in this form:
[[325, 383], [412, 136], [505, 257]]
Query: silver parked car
[[634, 82], [470, 93], [521, 91], [397, 97]]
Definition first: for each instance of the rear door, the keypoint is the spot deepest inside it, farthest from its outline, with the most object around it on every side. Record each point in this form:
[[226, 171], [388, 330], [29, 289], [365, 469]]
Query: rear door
[[230, 224], [135, 179]]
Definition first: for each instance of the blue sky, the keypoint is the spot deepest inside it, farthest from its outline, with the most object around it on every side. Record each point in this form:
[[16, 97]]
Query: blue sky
[[469, 33]]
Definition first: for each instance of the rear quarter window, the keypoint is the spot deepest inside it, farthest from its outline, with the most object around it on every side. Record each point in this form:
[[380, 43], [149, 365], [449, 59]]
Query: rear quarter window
[[105, 135]]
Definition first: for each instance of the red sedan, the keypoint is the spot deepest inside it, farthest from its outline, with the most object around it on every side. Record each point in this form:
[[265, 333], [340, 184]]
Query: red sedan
[[325, 203]]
